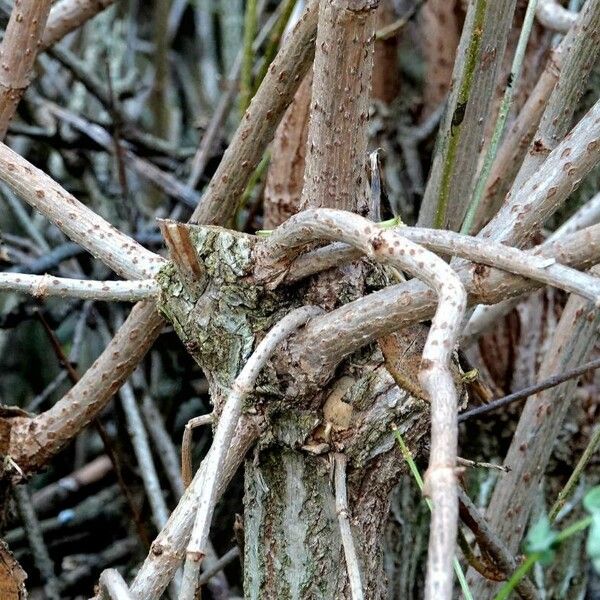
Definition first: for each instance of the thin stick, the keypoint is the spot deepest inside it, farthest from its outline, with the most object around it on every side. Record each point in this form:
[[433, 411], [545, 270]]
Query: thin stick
[[164, 445], [44, 286], [241, 388], [219, 565], [186, 446], [567, 490], [143, 455], [548, 383], [250, 20], [68, 15], [341, 508], [113, 586], [489, 541], [41, 557], [588, 214], [476, 464]]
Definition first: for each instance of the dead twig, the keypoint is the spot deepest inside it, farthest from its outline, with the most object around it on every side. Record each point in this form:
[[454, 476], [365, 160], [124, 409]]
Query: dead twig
[[341, 508]]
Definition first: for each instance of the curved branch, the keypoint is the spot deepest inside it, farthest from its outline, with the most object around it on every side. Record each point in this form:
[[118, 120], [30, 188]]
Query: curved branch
[[329, 339], [554, 16], [525, 263], [228, 421], [389, 246], [43, 286], [68, 15]]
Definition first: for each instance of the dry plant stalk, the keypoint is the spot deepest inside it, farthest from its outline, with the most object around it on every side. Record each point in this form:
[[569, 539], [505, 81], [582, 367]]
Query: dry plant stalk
[[479, 58], [440, 35], [18, 50], [341, 507]]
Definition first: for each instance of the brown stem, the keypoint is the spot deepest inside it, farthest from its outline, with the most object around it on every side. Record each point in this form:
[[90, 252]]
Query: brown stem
[[17, 54]]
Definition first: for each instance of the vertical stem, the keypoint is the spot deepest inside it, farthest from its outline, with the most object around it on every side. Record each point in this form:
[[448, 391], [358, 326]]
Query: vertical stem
[[492, 150], [458, 114], [337, 137], [248, 55], [17, 54]]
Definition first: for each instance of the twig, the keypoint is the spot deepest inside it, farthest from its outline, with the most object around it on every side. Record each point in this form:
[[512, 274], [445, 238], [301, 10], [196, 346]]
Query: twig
[[582, 463], [250, 21], [488, 541], [141, 447], [341, 508], [165, 448], [554, 16], [220, 114], [186, 445], [260, 121], [51, 496], [144, 168], [18, 51], [113, 586], [42, 559], [529, 391], [43, 286], [588, 214], [476, 464], [219, 565], [241, 388]]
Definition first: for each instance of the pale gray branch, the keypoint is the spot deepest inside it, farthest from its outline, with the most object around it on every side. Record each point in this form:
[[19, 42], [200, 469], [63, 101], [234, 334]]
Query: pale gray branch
[[113, 586], [228, 421], [525, 263], [68, 15], [341, 507], [44, 286], [554, 16]]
